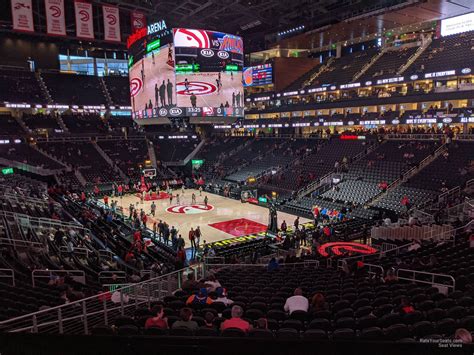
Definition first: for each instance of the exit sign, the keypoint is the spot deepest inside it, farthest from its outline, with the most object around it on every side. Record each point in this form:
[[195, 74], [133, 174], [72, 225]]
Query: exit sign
[[7, 171]]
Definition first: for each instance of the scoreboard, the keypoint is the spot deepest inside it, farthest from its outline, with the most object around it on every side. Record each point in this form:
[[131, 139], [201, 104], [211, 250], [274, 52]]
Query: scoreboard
[[258, 75]]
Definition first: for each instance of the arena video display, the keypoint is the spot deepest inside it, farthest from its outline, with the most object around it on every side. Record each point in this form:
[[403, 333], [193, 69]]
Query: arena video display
[[196, 73], [151, 70], [208, 72]]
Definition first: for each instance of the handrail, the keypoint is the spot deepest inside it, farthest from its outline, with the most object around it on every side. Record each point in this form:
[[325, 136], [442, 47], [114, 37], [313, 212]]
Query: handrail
[[120, 276], [8, 274], [76, 251], [371, 267], [306, 263], [78, 303], [77, 275], [20, 243], [451, 232], [414, 274], [42, 220], [379, 254]]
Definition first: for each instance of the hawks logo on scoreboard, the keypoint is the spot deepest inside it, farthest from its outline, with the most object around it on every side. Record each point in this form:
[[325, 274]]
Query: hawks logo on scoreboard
[[184, 37], [135, 86]]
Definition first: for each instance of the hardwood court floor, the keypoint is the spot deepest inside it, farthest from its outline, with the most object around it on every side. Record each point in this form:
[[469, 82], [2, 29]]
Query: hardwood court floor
[[224, 218]]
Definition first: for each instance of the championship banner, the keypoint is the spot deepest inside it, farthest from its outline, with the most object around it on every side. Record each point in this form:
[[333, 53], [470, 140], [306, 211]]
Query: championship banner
[[137, 20], [22, 15], [55, 22], [111, 23], [84, 24]]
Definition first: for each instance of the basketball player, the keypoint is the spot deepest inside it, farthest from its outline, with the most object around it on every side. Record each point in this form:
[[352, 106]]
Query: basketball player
[[186, 85], [170, 54], [193, 99], [200, 190], [182, 189], [169, 91], [205, 200], [171, 199], [153, 208], [177, 199], [193, 198], [162, 94]]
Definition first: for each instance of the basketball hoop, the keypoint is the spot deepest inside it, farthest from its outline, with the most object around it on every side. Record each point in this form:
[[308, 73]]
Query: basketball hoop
[[149, 173]]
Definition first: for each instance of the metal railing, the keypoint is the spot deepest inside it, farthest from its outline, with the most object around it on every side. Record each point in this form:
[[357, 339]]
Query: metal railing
[[427, 278], [79, 252], [387, 247], [8, 275], [380, 254], [76, 275], [450, 233], [20, 243], [314, 264], [81, 316], [116, 276]]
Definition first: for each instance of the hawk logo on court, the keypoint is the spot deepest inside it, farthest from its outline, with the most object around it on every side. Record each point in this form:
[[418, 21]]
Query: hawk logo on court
[[190, 209], [340, 248]]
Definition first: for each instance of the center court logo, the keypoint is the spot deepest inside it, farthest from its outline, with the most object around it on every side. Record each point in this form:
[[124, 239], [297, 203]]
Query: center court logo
[[190, 209], [195, 87]]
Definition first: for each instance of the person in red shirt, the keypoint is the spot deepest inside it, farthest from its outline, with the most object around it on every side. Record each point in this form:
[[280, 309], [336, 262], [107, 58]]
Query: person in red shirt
[[316, 215], [120, 190], [180, 258], [144, 220], [83, 197], [158, 321], [96, 190], [105, 295], [129, 257], [383, 185], [327, 231], [405, 202], [236, 322], [106, 200], [406, 307], [137, 236]]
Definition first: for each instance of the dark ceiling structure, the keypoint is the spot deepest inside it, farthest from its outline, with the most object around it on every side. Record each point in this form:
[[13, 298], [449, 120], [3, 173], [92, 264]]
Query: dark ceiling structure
[[268, 16], [265, 23]]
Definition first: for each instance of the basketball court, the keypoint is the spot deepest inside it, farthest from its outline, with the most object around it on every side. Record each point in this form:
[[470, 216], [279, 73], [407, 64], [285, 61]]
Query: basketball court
[[223, 218]]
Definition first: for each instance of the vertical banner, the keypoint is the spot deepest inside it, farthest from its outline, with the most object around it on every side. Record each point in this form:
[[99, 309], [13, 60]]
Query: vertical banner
[[84, 24], [55, 22], [138, 20], [22, 16], [111, 23]]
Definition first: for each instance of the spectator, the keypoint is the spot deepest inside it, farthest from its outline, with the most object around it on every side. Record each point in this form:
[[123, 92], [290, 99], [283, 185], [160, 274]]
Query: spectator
[[185, 321], [318, 303], [297, 302], [158, 320], [273, 264], [222, 296], [236, 322], [200, 297], [391, 277], [118, 297], [212, 283], [209, 320], [406, 307], [190, 284]]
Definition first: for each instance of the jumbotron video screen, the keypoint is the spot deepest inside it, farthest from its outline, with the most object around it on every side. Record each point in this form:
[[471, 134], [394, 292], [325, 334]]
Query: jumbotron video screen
[[186, 72]]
